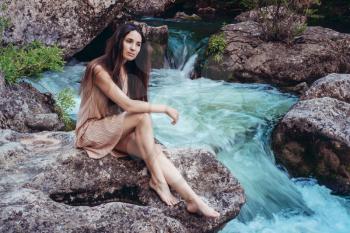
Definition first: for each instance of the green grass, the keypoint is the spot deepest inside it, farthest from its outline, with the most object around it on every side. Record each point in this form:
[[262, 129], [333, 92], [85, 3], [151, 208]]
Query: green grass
[[216, 46], [30, 60], [64, 104]]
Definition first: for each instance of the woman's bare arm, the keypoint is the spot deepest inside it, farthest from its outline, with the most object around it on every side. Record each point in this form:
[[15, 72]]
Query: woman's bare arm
[[105, 83]]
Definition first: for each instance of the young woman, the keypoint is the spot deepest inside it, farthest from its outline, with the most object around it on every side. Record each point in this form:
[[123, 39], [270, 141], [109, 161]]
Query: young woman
[[114, 115]]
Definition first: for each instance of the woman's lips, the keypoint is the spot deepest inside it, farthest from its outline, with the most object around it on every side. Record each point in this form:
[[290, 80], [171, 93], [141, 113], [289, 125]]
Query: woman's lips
[[131, 54]]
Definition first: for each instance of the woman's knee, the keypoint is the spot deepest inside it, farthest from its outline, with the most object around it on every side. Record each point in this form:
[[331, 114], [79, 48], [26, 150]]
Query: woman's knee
[[145, 118]]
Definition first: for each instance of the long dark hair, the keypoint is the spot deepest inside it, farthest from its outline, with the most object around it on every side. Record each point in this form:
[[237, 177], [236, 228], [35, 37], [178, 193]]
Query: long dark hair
[[137, 70]]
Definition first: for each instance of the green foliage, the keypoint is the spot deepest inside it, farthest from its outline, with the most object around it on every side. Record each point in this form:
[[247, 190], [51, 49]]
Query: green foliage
[[30, 60], [216, 46], [281, 20], [299, 29], [64, 104]]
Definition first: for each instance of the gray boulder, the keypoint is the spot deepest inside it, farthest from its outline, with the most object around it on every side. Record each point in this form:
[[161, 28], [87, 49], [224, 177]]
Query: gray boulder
[[70, 24], [25, 109], [336, 86], [48, 186], [313, 138]]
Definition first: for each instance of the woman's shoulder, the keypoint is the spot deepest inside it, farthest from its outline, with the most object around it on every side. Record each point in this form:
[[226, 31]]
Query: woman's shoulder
[[96, 66]]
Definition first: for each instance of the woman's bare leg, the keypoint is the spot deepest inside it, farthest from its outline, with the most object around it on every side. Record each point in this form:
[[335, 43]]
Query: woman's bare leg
[[173, 177], [177, 182], [142, 125]]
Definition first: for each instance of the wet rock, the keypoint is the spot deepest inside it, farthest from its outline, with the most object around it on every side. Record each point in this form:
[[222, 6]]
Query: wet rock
[[313, 138], [25, 109], [48, 186], [70, 24], [211, 9], [183, 15], [248, 58]]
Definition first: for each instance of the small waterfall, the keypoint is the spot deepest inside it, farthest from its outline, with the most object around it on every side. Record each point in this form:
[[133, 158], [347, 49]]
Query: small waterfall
[[189, 66]]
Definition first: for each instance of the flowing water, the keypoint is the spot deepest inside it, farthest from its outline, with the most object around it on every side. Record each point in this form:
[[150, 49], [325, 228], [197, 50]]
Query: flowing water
[[235, 122]]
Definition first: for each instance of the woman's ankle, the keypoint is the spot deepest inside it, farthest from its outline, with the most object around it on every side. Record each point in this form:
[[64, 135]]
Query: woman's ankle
[[158, 182]]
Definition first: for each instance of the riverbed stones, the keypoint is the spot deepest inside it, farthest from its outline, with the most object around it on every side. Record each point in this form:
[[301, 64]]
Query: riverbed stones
[[46, 185], [247, 58], [70, 24], [25, 109], [313, 138]]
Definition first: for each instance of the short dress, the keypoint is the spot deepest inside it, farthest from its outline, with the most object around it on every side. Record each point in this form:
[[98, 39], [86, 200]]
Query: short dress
[[99, 125]]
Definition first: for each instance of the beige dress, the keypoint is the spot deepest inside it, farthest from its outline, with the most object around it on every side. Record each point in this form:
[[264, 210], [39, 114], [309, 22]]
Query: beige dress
[[99, 127]]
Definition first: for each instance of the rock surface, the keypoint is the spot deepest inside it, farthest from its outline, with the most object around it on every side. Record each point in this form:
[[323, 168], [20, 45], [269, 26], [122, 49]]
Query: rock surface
[[336, 86], [158, 38], [247, 58], [25, 109], [313, 138], [70, 24], [48, 186]]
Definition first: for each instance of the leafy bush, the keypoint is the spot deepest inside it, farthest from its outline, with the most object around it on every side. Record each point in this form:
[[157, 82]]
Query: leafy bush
[[30, 60], [216, 46], [64, 104], [281, 20]]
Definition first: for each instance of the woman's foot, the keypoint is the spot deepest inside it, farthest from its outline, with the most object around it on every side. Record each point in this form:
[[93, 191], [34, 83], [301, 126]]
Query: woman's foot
[[199, 206], [164, 192]]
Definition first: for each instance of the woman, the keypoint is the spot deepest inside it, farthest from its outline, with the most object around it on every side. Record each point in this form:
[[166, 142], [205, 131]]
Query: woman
[[114, 115]]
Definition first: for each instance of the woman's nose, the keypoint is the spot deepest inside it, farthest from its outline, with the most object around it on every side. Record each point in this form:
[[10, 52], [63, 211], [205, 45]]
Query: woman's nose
[[133, 47]]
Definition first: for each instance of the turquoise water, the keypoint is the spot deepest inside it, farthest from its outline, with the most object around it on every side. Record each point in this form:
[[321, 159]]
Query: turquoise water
[[235, 122]]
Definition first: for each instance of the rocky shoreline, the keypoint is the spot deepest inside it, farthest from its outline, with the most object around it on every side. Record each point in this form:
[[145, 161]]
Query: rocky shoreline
[[47, 185], [312, 139]]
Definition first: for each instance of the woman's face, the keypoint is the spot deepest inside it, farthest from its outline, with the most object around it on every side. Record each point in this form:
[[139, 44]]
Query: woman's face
[[131, 45]]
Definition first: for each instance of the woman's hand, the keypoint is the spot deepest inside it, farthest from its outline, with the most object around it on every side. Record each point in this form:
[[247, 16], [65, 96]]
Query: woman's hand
[[172, 112]]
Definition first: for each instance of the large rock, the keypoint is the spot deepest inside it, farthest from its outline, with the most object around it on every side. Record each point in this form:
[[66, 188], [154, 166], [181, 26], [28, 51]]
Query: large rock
[[48, 186], [25, 109], [336, 86], [70, 24], [248, 58], [313, 138]]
